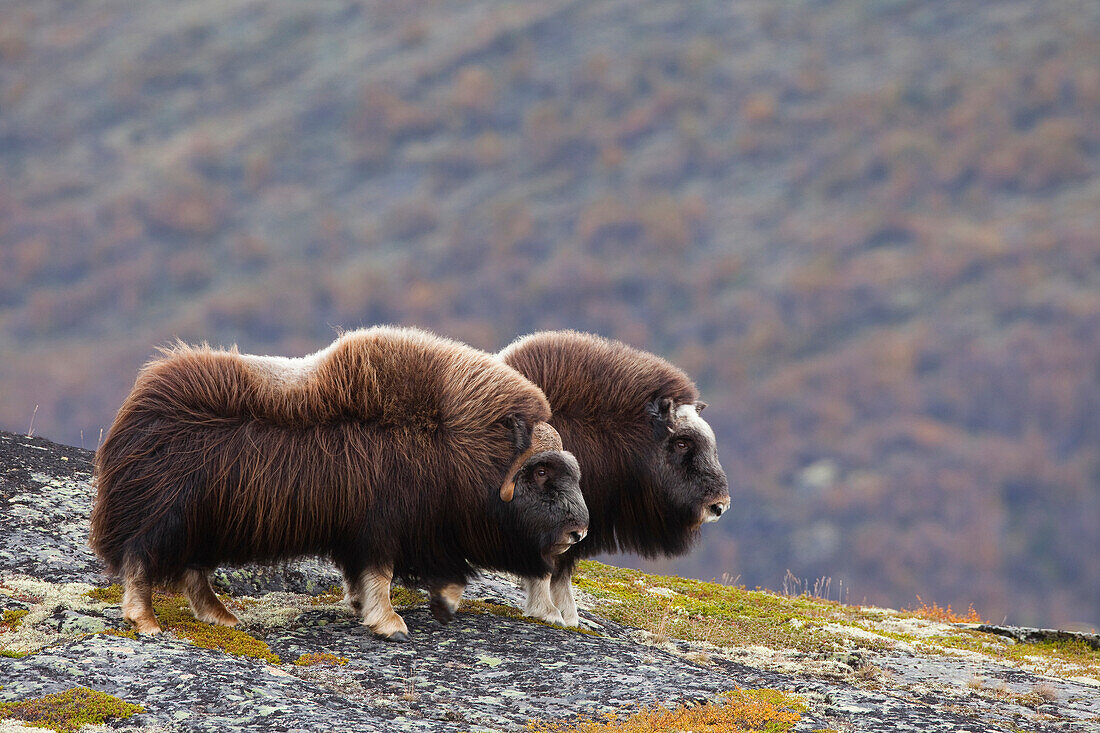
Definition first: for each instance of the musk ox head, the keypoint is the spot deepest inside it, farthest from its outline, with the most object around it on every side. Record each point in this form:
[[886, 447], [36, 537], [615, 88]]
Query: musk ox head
[[543, 491], [686, 462]]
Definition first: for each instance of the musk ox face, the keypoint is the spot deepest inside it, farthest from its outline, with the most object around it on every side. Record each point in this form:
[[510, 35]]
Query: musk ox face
[[547, 502], [693, 482]]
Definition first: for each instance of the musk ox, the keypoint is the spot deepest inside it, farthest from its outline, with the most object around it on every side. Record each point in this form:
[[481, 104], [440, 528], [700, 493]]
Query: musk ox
[[392, 451], [649, 464]]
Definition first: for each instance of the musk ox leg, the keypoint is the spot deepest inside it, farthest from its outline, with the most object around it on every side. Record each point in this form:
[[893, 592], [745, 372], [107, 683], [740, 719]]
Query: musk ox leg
[[137, 597], [444, 601], [370, 596], [204, 604], [539, 603], [561, 592]]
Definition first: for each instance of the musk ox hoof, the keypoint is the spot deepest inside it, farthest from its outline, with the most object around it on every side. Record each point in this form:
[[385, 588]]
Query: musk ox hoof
[[397, 636], [146, 627], [441, 610]]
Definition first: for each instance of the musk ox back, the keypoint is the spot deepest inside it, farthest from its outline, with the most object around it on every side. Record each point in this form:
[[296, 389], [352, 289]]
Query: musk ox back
[[649, 462], [392, 451]]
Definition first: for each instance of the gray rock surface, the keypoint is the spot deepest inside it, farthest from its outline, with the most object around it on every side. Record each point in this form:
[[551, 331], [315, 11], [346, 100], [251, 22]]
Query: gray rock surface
[[481, 672]]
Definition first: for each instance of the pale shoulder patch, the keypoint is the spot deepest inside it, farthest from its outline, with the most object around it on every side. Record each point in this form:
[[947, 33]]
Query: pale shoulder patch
[[285, 370]]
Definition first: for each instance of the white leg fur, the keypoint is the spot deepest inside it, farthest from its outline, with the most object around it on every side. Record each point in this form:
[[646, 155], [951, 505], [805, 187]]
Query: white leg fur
[[204, 604], [373, 592], [561, 592], [137, 598], [539, 603]]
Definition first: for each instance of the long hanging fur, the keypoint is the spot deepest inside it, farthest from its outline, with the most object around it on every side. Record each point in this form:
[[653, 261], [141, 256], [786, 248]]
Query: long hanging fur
[[603, 394], [390, 445]]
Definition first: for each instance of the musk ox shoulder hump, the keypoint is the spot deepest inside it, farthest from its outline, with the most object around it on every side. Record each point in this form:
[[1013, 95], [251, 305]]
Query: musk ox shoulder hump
[[584, 374], [398, 365], [384, 374]]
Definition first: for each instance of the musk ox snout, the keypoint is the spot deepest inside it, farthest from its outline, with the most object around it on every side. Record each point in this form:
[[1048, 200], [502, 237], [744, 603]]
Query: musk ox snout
[[715, 511], [548, 501], [688, 461]]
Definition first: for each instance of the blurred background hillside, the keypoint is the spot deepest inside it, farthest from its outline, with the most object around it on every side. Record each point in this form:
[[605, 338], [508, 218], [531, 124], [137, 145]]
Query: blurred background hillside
[[869, 230]]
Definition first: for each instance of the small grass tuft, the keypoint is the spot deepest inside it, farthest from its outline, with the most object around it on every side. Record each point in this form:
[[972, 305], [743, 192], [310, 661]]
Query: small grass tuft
[[946, 615], [315, 658], [125, 634], [741, 711], [13, 618], [332, 596], [69, 710]]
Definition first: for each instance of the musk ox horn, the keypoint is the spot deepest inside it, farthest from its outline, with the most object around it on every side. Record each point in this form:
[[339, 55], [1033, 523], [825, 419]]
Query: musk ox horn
[[543, 438]]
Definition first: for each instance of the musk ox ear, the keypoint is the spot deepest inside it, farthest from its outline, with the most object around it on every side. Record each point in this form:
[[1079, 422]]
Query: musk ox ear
[[660, 417], [700, 405], [521, 434]]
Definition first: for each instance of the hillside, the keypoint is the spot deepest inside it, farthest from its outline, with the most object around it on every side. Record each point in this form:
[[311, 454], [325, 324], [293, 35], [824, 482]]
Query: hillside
[[867, 229], [652, 645]]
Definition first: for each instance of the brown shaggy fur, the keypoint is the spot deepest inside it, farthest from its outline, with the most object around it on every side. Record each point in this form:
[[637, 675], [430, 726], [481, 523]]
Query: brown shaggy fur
[[602, 393], [386, 450]]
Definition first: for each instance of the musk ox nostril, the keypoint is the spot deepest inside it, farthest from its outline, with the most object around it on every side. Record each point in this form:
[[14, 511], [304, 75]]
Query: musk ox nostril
[[578, 535], [718, 508]]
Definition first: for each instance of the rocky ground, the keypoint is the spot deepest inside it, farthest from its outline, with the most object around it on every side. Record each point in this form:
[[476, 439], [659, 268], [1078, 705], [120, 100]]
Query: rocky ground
[[490, 670]]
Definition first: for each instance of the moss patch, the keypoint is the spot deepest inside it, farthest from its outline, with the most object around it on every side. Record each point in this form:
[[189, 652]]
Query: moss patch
[[112, 594], [733, 616], [1059, 658], [309, 660], [406, 597], [69, 710], [332, 596], [710, 612], [13, 618], [12, 654], [740, 711], [174, 615]]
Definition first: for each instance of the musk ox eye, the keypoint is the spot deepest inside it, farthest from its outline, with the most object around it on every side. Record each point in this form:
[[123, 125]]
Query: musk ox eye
[[540, 472], [682, 445]]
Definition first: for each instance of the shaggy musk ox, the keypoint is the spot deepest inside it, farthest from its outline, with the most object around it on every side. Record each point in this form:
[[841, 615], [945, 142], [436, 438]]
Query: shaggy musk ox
[[392, 451], [649, 464]]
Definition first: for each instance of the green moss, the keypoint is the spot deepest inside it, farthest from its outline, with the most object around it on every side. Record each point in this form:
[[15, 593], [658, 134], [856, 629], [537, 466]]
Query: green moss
[[12, 654], [483, 607], [127, 634], [13, 618], [333, 595], [111, 594], [309, 660], [406, 597], [700, 611], [174, 615], [1074, 657], [724, 615], [69, 710]]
